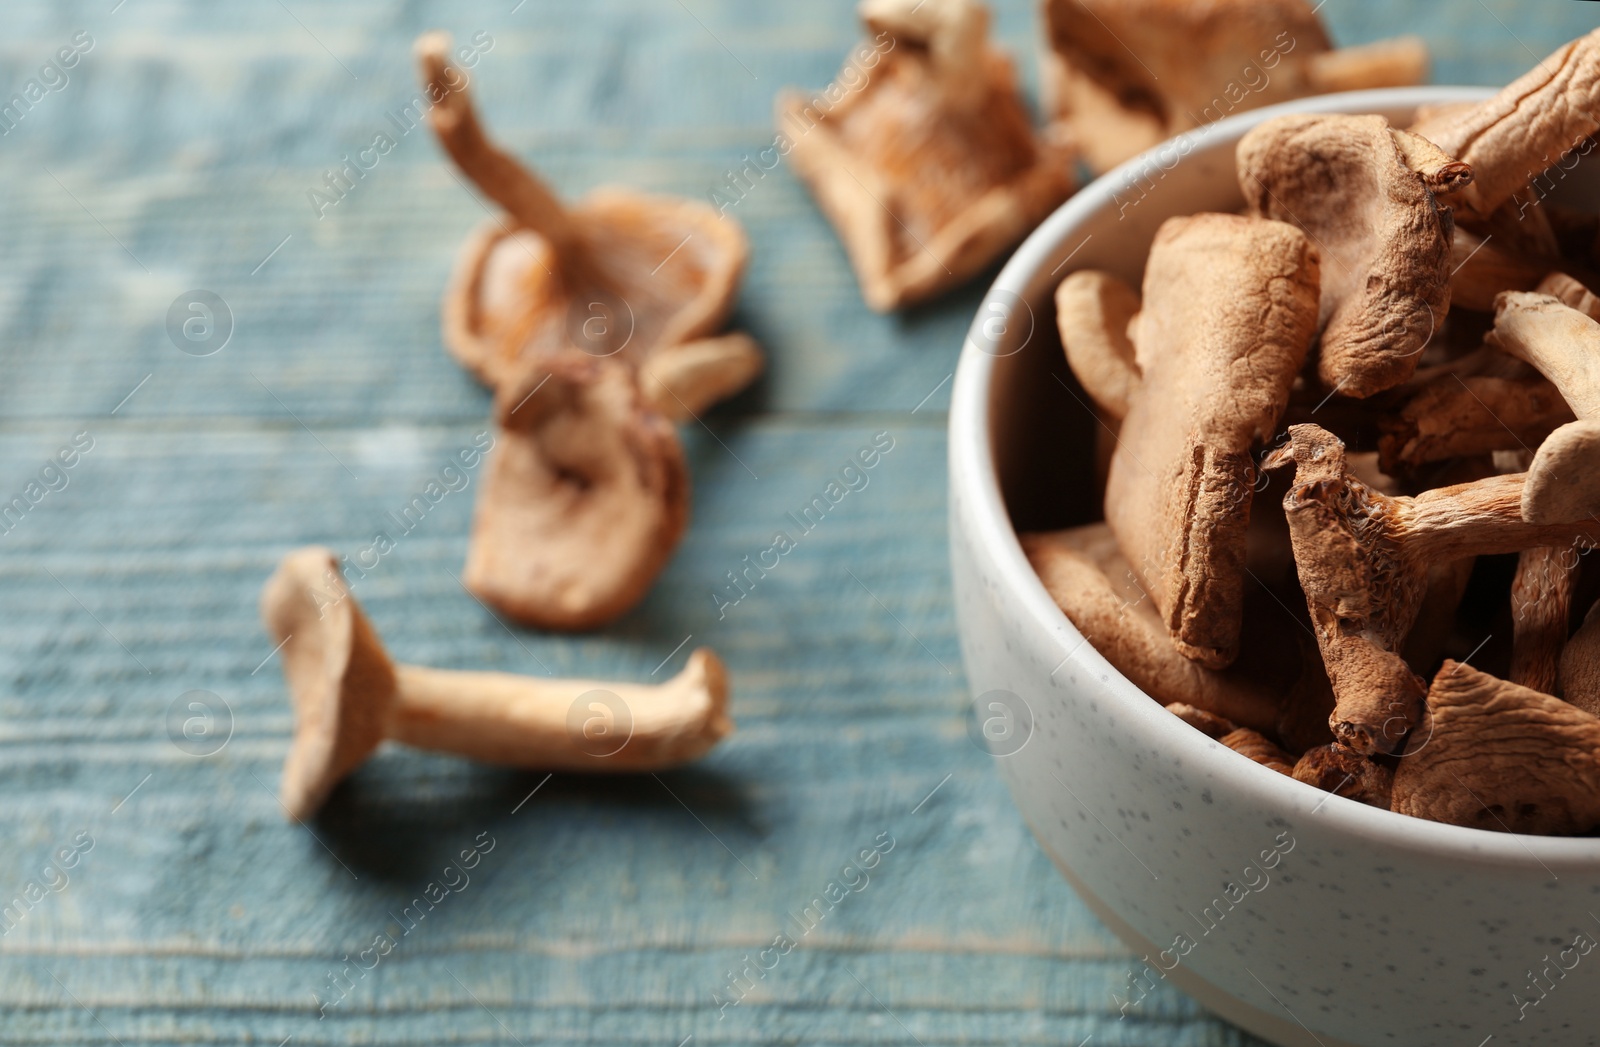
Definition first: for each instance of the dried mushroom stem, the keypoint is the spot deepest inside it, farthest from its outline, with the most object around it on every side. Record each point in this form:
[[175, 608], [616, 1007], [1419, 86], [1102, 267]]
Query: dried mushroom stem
[[1363, 561], [1342, 771], [1580, 664], [1527, 127], [1365, 193], [1230, 307], [502, 178], [349, 697], [1564, 344], [1494, 755], [1541, 605]]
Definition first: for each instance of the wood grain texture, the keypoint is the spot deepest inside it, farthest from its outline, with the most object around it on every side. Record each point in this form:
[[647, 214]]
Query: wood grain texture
[[179, 156]]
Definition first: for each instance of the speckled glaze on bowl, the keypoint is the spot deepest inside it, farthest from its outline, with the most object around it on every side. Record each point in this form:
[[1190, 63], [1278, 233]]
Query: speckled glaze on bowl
[[1306, 918]]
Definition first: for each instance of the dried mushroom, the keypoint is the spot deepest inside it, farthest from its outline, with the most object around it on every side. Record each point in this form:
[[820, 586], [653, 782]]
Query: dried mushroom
[[349, 697], [1365, 194], [1085, 573], [1124, 75], [619, 272], [1261, 749], [585, 497], [1564, 344], [1093, 310], [1363, 561], [1230, 307], [1340, 770], [1512, 138], [1446, 480], [1541, 604], [1497, 756], [924, 157]]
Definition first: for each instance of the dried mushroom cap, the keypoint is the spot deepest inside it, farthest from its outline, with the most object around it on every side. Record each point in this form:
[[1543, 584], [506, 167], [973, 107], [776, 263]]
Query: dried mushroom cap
[[1085, 573], [1493, 755], [923, 157], [585, 499], [1363, 560], [1342, 771], [617, 272], [1230, 307], [1564, 344], [1524, 129], [1124, 75], [340, 678], [1259, 748], [1093, 310], [1541, 605], [1365, 194]]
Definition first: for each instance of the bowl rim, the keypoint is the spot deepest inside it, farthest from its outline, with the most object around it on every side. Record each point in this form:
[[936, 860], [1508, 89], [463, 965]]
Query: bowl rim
[[975, 494]]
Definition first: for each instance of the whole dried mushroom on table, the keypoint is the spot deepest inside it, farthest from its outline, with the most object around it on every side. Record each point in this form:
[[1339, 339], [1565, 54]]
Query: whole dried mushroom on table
[[1301, 419]]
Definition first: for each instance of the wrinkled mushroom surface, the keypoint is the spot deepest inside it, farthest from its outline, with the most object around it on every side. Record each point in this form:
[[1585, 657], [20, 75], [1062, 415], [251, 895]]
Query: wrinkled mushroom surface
[[1230, 307], [1493, 755], [1528, 126], [1364, 193]]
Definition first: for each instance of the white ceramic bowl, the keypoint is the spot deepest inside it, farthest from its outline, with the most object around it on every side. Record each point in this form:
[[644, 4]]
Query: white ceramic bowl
[[1343, 924]]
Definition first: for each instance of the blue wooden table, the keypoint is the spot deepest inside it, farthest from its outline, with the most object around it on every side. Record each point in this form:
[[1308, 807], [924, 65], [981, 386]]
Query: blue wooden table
[[167, 899]]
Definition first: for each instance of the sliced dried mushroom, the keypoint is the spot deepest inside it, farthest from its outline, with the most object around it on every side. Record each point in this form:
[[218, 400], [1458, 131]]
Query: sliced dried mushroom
[[1093, 310], [1494, 755], [1564, 344], [1124, 75], [1230, 307], [617, 272], [1363, 561], [928, 166], [585, 497], [1365, 193], [1527, 127], [682, 380], [1342, 771]]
